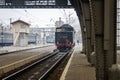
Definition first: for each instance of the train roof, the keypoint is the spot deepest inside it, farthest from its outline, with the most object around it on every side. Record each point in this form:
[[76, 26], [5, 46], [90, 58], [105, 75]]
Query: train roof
[[67, 27]]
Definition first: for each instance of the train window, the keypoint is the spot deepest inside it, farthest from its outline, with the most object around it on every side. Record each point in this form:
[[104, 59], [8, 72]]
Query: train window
[[58, 30]]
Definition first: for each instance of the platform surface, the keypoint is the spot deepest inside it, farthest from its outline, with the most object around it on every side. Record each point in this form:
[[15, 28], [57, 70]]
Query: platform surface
[[6, 49], [78, 68]]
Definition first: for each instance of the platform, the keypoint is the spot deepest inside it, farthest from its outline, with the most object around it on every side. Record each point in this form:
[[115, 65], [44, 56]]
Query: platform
[[78, 68], [7, 49]]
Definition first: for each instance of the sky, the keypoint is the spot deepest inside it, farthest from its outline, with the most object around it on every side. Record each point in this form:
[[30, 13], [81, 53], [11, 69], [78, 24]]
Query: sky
[[39, 17]]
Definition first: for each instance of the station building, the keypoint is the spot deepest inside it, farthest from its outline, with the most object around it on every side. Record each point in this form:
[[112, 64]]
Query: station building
[[20, 33]]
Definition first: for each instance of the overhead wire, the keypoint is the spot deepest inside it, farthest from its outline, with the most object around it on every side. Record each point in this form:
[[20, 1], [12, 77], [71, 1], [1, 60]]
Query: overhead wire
[[65, 15], [33, 16], [30, 17]]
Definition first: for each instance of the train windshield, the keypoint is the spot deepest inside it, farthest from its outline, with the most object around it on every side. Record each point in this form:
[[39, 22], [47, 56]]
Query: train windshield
[[63, 36]]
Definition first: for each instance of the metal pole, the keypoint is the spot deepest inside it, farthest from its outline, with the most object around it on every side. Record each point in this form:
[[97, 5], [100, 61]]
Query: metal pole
[[47, 2], [10, 29], [44, 36], [2, 35]]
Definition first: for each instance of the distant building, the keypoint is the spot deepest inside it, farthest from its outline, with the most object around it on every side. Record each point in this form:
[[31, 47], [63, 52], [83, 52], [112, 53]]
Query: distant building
[[59, 23], [43, 34], [20, 33]]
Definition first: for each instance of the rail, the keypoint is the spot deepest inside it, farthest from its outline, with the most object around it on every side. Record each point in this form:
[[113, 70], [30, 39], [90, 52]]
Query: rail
[[14, 75], [45, 75]]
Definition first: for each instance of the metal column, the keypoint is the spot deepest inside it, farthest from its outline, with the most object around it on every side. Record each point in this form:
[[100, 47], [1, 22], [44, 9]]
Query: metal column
[[104, 22], [109, 34], [87, 19], [98, 23]]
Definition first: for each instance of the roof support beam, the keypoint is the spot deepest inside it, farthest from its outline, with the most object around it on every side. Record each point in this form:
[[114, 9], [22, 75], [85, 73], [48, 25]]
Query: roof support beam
[[78, 7]]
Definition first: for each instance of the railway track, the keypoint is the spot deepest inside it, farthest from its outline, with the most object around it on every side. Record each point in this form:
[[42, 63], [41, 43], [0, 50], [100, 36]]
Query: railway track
[[9, 59], [40, 69]]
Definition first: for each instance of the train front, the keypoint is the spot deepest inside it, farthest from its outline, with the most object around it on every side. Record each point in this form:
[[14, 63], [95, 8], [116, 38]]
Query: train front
[[64, 37]]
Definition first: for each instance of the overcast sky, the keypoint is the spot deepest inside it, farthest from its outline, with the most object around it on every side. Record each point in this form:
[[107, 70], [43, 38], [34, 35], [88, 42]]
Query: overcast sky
[[39, 17]]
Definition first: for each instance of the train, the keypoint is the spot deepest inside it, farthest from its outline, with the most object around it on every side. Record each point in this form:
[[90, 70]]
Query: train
[[7, 39], [65, 37]]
